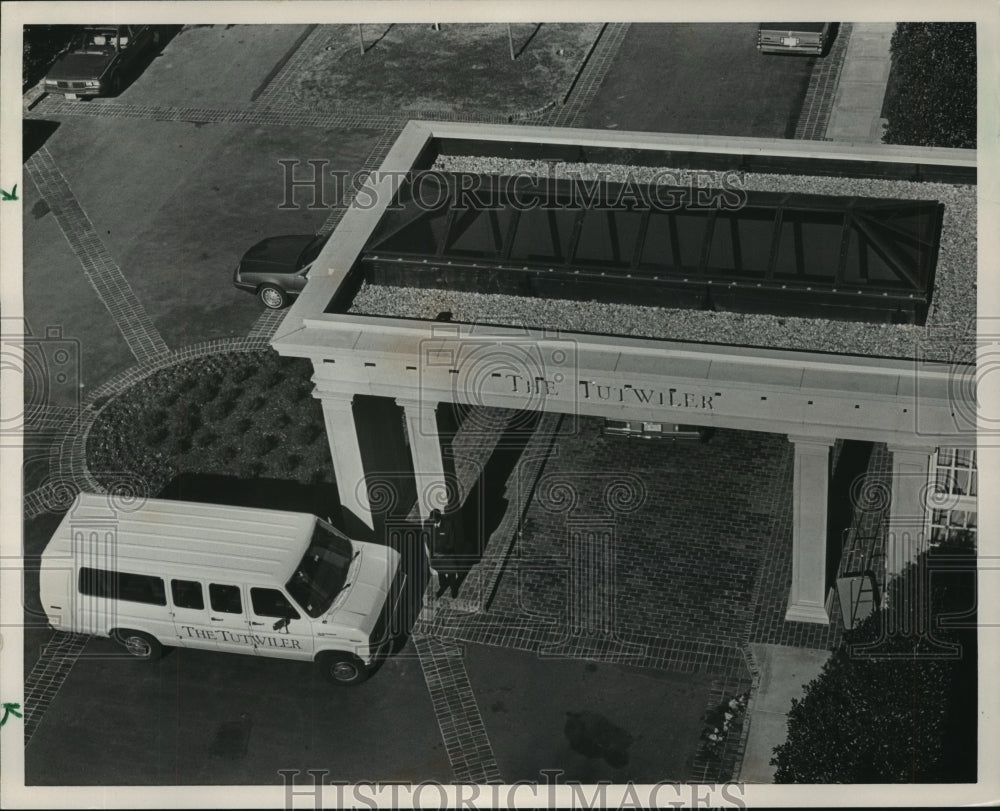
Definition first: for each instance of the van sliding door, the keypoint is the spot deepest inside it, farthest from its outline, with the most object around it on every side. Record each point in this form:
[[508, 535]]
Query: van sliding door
[[227, 618], [190, 613]]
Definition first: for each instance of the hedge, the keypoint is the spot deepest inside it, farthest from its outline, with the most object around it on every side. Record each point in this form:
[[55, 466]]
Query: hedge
[[931, 99], [893, 704]]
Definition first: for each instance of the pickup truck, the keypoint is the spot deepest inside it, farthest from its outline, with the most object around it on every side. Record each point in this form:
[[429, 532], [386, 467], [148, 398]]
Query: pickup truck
[[803, 38]]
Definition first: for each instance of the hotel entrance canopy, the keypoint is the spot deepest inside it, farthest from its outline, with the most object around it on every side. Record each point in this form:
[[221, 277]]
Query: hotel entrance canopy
[[534, 308], [724, 273], [836, 257]]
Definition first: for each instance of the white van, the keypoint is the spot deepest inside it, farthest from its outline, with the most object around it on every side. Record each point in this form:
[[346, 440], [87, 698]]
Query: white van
[[233, 579]]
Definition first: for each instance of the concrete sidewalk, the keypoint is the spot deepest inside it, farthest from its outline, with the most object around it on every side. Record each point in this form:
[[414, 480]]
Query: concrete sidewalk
[[857, 105], [784, 673]]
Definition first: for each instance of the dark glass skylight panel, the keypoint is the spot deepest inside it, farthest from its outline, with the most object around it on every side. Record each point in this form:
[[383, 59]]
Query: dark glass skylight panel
[[870, 259]]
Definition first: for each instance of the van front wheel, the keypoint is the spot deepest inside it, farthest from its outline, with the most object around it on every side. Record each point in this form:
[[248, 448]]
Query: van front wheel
[[140, 645], [342, 668]]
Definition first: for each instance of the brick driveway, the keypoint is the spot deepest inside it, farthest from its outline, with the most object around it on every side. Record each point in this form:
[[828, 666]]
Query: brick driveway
[[687, 534]]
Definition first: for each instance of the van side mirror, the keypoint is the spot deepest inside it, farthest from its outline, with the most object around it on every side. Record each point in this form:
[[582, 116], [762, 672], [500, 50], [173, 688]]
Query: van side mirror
[[282, 623]]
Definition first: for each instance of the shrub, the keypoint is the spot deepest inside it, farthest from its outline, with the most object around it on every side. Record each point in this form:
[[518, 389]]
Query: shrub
[[170, 397], [307, 432], [204, 437], [154, 418], [249, 468], [157, 435], [220, 408], [188, 382], [245, 369], [185, 419], [302, 391], [258, 444], [894, 703], [205, 390], [932, 97]]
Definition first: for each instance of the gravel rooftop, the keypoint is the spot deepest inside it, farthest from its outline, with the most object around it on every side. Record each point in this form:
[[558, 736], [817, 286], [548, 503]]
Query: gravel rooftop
[[948, 334]]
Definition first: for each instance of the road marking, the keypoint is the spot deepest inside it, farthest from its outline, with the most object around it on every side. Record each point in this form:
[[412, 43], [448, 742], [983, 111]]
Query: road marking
[[101, 271]]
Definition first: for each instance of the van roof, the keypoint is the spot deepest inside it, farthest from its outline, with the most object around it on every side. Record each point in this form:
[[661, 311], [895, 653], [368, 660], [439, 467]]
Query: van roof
[[184, 538]]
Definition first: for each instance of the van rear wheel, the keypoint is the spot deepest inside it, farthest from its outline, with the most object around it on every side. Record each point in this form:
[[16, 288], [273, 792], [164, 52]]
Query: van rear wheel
[[342, 668], [140, 645]]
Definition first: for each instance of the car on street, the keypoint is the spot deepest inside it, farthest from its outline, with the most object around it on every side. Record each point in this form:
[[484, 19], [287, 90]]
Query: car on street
[[803, 38], [101, 59], [275, 269]]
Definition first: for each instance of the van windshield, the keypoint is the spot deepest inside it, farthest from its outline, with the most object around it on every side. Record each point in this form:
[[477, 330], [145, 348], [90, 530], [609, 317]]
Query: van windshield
[[322, 573]]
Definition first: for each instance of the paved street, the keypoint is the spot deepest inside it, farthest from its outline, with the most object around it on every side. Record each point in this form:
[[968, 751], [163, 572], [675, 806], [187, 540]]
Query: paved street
[[199, 717], [136, 211], [707, 79]]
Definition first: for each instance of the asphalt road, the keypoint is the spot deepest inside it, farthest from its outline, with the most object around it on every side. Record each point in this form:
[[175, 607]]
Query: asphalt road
[[700, 78], [201, 717]]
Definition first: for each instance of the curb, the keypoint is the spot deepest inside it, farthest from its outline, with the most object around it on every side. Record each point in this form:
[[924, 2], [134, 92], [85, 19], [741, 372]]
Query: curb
[[33, 95]]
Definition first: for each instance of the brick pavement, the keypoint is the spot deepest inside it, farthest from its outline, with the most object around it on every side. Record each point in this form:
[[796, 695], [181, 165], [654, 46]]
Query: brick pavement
[[267, 324], [458, 715], [276, 94], [814, 117], [590, 77], [667, 562], [347, 117], [47, 676]]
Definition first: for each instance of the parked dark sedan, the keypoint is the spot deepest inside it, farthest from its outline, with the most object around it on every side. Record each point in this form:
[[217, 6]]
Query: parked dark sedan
[[276, 268], [100, 59]]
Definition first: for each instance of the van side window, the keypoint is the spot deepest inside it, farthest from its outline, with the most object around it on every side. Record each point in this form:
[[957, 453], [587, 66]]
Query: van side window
[[225, 598], [271, 603], [135, 588], [187, 594]]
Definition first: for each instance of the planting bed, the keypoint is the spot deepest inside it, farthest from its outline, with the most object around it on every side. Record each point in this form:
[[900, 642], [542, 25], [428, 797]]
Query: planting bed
[[249, 415]]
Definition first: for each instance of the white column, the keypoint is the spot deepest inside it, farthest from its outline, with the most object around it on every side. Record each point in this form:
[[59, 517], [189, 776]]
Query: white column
[[425, 450], [811, 487], [342, 434], [908, 509]]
